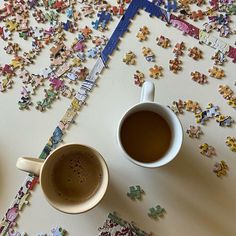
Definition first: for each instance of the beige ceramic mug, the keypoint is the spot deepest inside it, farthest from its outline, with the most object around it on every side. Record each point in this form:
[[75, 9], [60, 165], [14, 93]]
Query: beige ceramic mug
[[135, 145], [74, 177]]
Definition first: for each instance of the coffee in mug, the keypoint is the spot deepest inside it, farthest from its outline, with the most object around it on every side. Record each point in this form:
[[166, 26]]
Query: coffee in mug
[[76, 177], [145, 136]]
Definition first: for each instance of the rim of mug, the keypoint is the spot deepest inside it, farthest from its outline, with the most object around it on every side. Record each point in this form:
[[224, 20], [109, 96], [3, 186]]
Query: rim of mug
[[154, 164], [104, 168]]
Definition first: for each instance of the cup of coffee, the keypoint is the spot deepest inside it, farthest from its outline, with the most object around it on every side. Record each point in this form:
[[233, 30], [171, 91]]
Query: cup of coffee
[[74, 177], [149, 134]]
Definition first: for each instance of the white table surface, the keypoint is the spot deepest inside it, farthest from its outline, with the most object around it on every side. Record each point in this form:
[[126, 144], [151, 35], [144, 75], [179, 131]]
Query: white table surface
[[196, 201]]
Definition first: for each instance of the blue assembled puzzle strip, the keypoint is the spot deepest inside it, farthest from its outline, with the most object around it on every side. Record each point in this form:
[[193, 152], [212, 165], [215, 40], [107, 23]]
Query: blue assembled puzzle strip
[[123, 25]]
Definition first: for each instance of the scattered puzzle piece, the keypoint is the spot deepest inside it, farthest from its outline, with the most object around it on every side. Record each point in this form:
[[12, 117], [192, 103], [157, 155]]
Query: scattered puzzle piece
[[178, 49], [212, 111], [196, 15], [232, 102], [175, 65], [139, 78], [157, 212], [219, 58], [163, 42], [58, 231], [195, 53], [199, 78], [207, 150], [201, 117], [225, 91], [155, 71], [135, 192], [224, 120], [177, 107], [50, 96], [216, 72], [192, 106], [148, 54], [143, 33], [194, 132], [129, 58], [220, 168], [231, 143]]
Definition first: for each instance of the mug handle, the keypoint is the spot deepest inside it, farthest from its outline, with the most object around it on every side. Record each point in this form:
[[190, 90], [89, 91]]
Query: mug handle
[[30, 164], [148, 91]]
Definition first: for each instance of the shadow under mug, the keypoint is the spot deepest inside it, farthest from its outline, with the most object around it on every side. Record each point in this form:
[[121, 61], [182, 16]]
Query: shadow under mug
[[146, 104], [72, 170]]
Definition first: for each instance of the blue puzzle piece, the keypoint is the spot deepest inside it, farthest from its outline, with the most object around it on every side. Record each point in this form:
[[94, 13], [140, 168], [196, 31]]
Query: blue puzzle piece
[[57, 135], [171, 5], [95, 24]]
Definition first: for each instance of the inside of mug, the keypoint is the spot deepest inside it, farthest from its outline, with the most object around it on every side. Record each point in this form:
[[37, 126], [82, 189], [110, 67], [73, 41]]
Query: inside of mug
[[74, 178], [173, 123]]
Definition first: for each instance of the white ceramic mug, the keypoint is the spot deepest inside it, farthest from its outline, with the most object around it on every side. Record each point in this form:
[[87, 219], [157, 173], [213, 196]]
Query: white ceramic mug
[[74, 177], [146, 104]]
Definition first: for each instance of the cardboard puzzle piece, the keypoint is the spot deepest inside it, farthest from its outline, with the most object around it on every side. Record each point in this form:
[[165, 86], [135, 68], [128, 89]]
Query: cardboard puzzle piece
[[225, 91], [212, 111], [231, 143], [129, 58], [195, 53], [135, 192], [58, 231], [143, 33], [156, 212], [207, 150], [224, 120], [139, 78], [177, 106], [148, 54], [155, 72], [220, 168], [163, 42], [175, 65], [199, 77], [216, 72], [178, 49], [192, 106], [194, 131]]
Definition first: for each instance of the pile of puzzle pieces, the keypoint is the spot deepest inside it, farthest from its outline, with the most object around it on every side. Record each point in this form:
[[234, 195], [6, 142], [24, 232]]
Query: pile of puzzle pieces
[[114, 225]]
